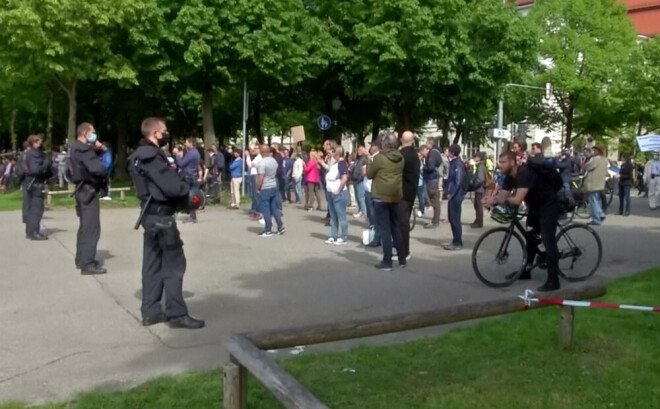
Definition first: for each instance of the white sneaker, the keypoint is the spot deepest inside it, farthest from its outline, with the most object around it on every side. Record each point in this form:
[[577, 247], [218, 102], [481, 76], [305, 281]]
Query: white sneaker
[[340, 242], [420, 214], [106, 198], [262, 221], [330, 241], [357, 215]]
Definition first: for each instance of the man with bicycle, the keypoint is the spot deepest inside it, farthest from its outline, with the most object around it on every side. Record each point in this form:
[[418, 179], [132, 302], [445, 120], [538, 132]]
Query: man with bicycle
[[532, 184]]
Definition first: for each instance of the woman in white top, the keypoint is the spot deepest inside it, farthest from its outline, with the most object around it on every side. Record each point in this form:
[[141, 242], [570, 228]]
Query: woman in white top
[[335, 182]]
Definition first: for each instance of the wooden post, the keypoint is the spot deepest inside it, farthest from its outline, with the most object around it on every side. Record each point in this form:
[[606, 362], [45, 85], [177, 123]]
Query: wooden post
[[49, 198], [234, 387], [122, 195], [280, 383], [566, 326]]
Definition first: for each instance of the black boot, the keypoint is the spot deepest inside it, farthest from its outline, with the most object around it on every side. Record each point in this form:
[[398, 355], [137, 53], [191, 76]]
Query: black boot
[[527, 273], [551, 284]]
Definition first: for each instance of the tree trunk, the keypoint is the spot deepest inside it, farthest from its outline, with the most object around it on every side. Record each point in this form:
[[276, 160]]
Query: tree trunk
[[375, 130], [207, 114], [73, 106], [121, 148], [445, 133], [257, 118], [12, 130], [49, 119], [569, 127]]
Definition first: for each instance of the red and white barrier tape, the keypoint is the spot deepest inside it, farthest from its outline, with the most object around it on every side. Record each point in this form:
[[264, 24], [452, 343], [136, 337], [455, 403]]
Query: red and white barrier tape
[[529, 298]]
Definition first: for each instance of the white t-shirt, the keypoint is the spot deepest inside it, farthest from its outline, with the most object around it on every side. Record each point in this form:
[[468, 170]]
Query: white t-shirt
[[255, 161], [333, 177]]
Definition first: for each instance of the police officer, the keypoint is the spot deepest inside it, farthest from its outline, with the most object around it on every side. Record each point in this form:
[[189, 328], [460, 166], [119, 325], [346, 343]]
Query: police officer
[[20, 173], [37, 170], [161, 191], [90, 177]]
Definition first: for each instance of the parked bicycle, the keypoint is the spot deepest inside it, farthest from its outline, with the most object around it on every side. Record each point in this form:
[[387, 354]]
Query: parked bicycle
[[500, 254]]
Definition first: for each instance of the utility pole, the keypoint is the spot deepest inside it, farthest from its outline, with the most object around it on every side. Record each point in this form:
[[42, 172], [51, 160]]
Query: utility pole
[[245, 113]]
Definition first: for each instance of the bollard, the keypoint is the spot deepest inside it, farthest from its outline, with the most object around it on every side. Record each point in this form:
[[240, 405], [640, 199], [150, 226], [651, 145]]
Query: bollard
[[566, 326], [234, 387]]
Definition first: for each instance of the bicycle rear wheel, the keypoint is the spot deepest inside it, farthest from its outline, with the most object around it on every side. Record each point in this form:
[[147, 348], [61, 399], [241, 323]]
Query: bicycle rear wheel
[[499, 257], [413, 219], [580, 252]]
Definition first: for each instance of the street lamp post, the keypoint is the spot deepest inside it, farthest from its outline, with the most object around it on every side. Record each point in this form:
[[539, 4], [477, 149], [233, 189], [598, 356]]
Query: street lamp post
[[336, 106]]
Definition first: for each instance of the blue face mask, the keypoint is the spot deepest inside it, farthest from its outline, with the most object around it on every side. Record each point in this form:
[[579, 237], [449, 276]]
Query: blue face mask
[[92, 138]]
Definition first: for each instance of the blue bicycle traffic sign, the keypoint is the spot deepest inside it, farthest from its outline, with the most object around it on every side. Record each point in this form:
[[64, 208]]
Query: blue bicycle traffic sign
[[324, 122]]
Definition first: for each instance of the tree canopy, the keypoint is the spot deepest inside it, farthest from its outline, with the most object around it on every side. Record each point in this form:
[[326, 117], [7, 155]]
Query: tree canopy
[[391, 63]]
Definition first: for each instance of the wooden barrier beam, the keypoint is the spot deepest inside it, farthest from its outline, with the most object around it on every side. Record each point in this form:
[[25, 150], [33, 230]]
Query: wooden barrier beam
[[280, 383], [316, 334]]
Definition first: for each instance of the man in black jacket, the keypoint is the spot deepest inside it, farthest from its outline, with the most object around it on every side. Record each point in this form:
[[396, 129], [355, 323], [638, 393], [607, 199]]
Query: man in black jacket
[[90, 177], [432, 161], [37, 170], [411, 167], [161, 191]]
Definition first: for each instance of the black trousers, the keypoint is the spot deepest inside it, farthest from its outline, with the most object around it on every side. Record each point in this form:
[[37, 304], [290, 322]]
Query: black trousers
[[388, 224], [89, 231], [404, 210], [34, 196], [544, 223], [163, 266], [26, 201]]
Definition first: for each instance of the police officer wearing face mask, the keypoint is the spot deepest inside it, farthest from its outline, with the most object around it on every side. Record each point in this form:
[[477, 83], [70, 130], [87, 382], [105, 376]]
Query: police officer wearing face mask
[[37, 170], [90, 177], [162, 192]]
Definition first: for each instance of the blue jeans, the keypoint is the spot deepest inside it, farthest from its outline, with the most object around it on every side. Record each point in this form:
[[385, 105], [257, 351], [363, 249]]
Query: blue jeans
[[268, 199], [298, 189], [337, 209], [371, 215], [624, 199], [359, 196], [388, 223], [421, 197], [597, 214], [454, 207], [252, 191]]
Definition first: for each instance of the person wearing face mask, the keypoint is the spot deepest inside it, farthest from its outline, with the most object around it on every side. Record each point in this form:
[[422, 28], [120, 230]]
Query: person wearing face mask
[[162, 191], [90, 177], [652, 180], [37, 171]]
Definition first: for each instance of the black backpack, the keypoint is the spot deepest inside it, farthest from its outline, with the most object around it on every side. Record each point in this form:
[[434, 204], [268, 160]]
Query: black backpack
[[21, 166], [547, 171]]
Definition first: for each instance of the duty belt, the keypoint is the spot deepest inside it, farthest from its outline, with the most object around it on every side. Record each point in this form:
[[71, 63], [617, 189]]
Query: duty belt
[[160, 209]]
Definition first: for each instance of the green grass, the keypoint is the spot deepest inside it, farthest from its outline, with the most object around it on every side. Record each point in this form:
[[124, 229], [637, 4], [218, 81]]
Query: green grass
[[510, 363], [14, 200]]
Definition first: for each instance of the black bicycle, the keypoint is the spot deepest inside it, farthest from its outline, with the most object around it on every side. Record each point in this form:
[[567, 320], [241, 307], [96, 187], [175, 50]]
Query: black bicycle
[[500, 254]]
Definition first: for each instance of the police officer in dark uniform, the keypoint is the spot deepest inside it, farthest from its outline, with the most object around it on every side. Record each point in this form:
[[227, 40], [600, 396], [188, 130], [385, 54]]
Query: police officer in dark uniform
[[162, 192], [90, 177], [20, 172], [37, 169]]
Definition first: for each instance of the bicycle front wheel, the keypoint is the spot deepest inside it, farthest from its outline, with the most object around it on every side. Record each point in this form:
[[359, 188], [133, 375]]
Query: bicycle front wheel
[[413, 219], [499, 257], [580, 252]]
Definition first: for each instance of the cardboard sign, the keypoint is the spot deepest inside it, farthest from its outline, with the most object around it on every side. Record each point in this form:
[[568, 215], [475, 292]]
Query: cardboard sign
[[648, 143], [298, 134]]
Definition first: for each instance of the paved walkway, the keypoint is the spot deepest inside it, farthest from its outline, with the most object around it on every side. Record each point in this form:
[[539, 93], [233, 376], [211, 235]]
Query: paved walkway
[[63, 333]]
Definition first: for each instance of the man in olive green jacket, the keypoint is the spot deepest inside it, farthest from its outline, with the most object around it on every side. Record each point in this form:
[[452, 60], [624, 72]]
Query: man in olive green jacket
[[386, 171], [594, 184]]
